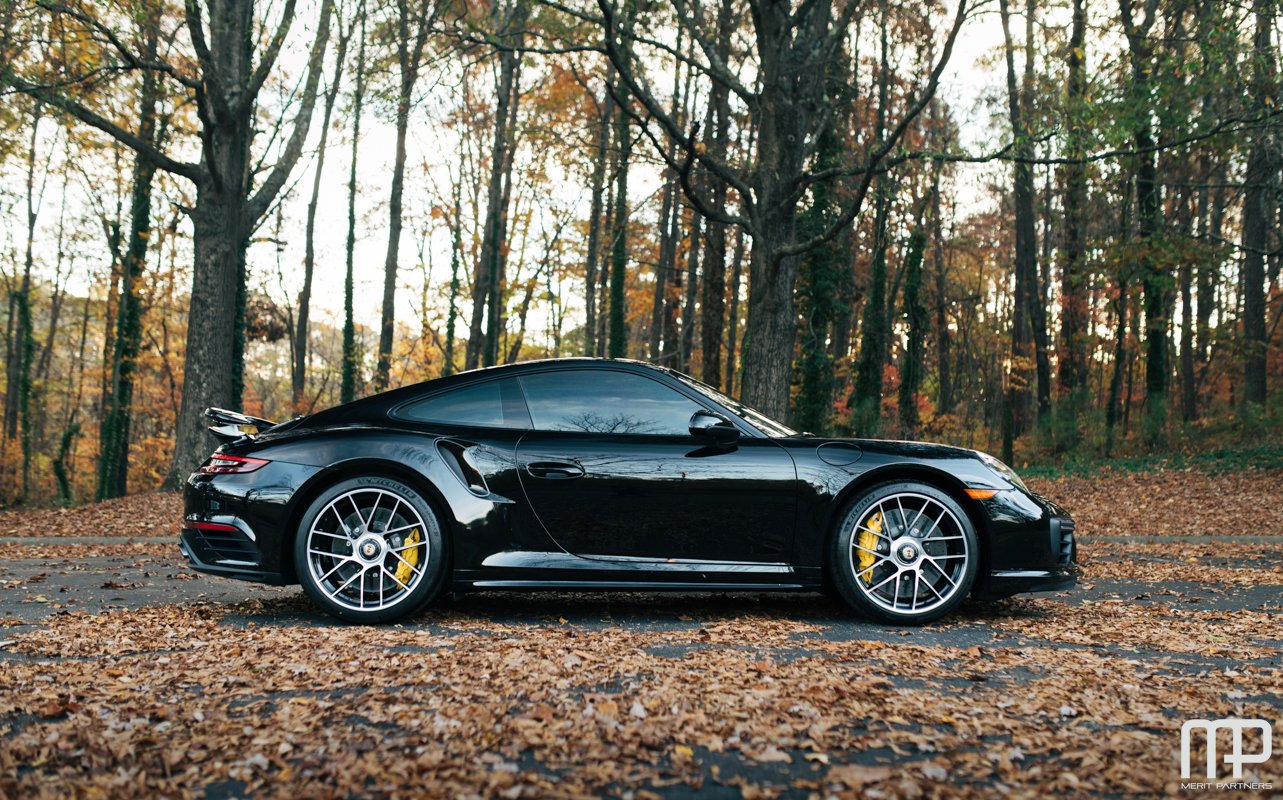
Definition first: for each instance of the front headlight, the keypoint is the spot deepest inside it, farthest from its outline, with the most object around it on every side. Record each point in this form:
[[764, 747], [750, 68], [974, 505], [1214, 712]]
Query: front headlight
[[1002, 469]]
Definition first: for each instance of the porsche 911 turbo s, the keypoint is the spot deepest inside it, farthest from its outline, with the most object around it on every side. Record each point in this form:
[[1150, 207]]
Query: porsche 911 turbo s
[[589, 474]]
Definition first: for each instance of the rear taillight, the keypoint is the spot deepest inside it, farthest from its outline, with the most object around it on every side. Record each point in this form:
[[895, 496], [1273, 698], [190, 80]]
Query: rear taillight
[[220, 464]]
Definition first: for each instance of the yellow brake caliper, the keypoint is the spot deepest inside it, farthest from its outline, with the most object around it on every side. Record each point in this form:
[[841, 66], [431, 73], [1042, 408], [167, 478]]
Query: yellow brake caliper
[[410, 558], [868, 542]]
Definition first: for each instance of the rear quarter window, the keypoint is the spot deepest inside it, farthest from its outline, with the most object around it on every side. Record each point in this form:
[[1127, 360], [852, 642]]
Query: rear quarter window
[[493, 404]]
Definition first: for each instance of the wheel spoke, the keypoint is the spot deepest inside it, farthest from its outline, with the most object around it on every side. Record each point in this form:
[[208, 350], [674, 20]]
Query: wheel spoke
[[373, 510], [332, 535], [929, 585], [417, 572], [395, 578], [347, 582], [399, 529], [943, 513], [332, 571], [329, 554], [921, 511], [873, 589], [882, 556], [875, 533], [944, 574]]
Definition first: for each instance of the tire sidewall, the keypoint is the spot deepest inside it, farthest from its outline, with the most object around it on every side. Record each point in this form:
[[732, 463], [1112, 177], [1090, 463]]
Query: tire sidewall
[[438, 557], [843, 577]]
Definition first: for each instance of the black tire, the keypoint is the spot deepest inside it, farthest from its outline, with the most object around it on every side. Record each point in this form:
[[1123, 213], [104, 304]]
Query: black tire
[[341, 546], [926, 546]]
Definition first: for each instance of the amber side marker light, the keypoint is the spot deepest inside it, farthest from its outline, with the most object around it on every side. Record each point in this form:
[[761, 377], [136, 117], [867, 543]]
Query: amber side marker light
[[981, 494]]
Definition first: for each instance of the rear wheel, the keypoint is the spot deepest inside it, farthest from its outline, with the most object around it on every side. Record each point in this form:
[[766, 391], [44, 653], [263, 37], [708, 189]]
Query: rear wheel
[[904, 553], [370, 550]]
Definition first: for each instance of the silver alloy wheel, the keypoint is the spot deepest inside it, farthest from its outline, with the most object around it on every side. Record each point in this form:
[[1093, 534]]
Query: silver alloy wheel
[[368, 549], [909, 553]]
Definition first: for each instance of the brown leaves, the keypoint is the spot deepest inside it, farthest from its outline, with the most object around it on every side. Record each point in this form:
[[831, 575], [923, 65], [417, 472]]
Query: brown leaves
[[1173, 503]]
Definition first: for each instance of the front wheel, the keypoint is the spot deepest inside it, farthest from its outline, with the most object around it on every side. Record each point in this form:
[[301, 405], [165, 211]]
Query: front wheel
[[370, 550], [904, 553]]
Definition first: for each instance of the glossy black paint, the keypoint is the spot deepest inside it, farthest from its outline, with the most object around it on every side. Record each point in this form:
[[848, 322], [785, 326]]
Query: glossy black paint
[[556, 509]]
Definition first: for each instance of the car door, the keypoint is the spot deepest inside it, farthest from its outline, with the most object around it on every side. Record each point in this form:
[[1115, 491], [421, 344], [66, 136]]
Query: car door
[[611, 470]]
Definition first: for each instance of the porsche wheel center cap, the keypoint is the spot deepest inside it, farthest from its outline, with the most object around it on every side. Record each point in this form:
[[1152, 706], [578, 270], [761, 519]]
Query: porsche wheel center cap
[[369, 548], [906, 552]]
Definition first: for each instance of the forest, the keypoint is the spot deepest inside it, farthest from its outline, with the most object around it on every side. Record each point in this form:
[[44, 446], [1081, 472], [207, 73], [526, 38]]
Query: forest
[[1051, 230]]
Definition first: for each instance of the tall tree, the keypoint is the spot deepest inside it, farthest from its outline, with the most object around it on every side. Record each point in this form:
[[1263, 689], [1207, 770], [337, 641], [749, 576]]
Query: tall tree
[[1148, 211], [298, 373], [411, 33], [224, 83], [351, 358], [508, 23], [713, 308], [1073, 276], [601, 147], [1261, 177], [113, 431], [618, 320], [1029, 329], [912, 363]]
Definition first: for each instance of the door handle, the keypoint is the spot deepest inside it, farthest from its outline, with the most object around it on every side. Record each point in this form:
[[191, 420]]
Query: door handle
[[556, 470]]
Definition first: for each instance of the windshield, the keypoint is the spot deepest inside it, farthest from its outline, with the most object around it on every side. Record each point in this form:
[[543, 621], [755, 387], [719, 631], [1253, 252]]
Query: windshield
[[755, 418]]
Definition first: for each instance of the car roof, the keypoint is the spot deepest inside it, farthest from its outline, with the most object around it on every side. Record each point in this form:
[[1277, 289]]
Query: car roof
[[378, 404]]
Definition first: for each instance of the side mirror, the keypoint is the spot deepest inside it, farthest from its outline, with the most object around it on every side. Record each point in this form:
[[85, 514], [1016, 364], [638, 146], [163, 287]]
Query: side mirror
[[713, 427]]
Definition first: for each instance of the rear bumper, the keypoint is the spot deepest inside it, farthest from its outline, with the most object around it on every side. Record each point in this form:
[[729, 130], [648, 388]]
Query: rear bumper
[[202, 556]]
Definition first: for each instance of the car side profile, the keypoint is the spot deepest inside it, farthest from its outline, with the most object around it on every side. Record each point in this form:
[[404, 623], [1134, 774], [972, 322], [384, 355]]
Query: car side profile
[[593, 474]]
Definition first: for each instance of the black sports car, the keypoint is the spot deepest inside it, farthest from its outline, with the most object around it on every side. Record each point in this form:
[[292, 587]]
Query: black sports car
[[595, 474]]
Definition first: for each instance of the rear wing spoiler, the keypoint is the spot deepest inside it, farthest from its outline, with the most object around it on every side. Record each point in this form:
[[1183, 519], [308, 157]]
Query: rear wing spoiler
[[228, 426]]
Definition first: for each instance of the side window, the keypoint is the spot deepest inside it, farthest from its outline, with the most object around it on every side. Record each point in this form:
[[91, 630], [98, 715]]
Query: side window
[[606, 401], [493, 404]]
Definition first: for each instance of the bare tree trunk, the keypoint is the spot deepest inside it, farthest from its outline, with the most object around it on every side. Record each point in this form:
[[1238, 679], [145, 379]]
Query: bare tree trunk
[[25, 337], [915, 313], [1256, 214], [595, 222], [618, 319], [484, 330], [113, 431], [732, 334], [298, 373], [1026, 318], [944, 339], [1073, 278], [714, 296], [411, 35], [350, 367]]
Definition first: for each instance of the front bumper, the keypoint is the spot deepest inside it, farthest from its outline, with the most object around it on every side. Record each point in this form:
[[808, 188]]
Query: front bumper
[[1059, 569]]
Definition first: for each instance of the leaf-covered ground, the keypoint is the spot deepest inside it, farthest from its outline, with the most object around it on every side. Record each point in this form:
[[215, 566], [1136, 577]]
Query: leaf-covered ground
[[122, 675]]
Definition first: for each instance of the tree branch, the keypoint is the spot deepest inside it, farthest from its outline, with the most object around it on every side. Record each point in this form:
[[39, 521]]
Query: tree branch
[[145, 149], [262, 199], [131, 58], [270, 55]]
